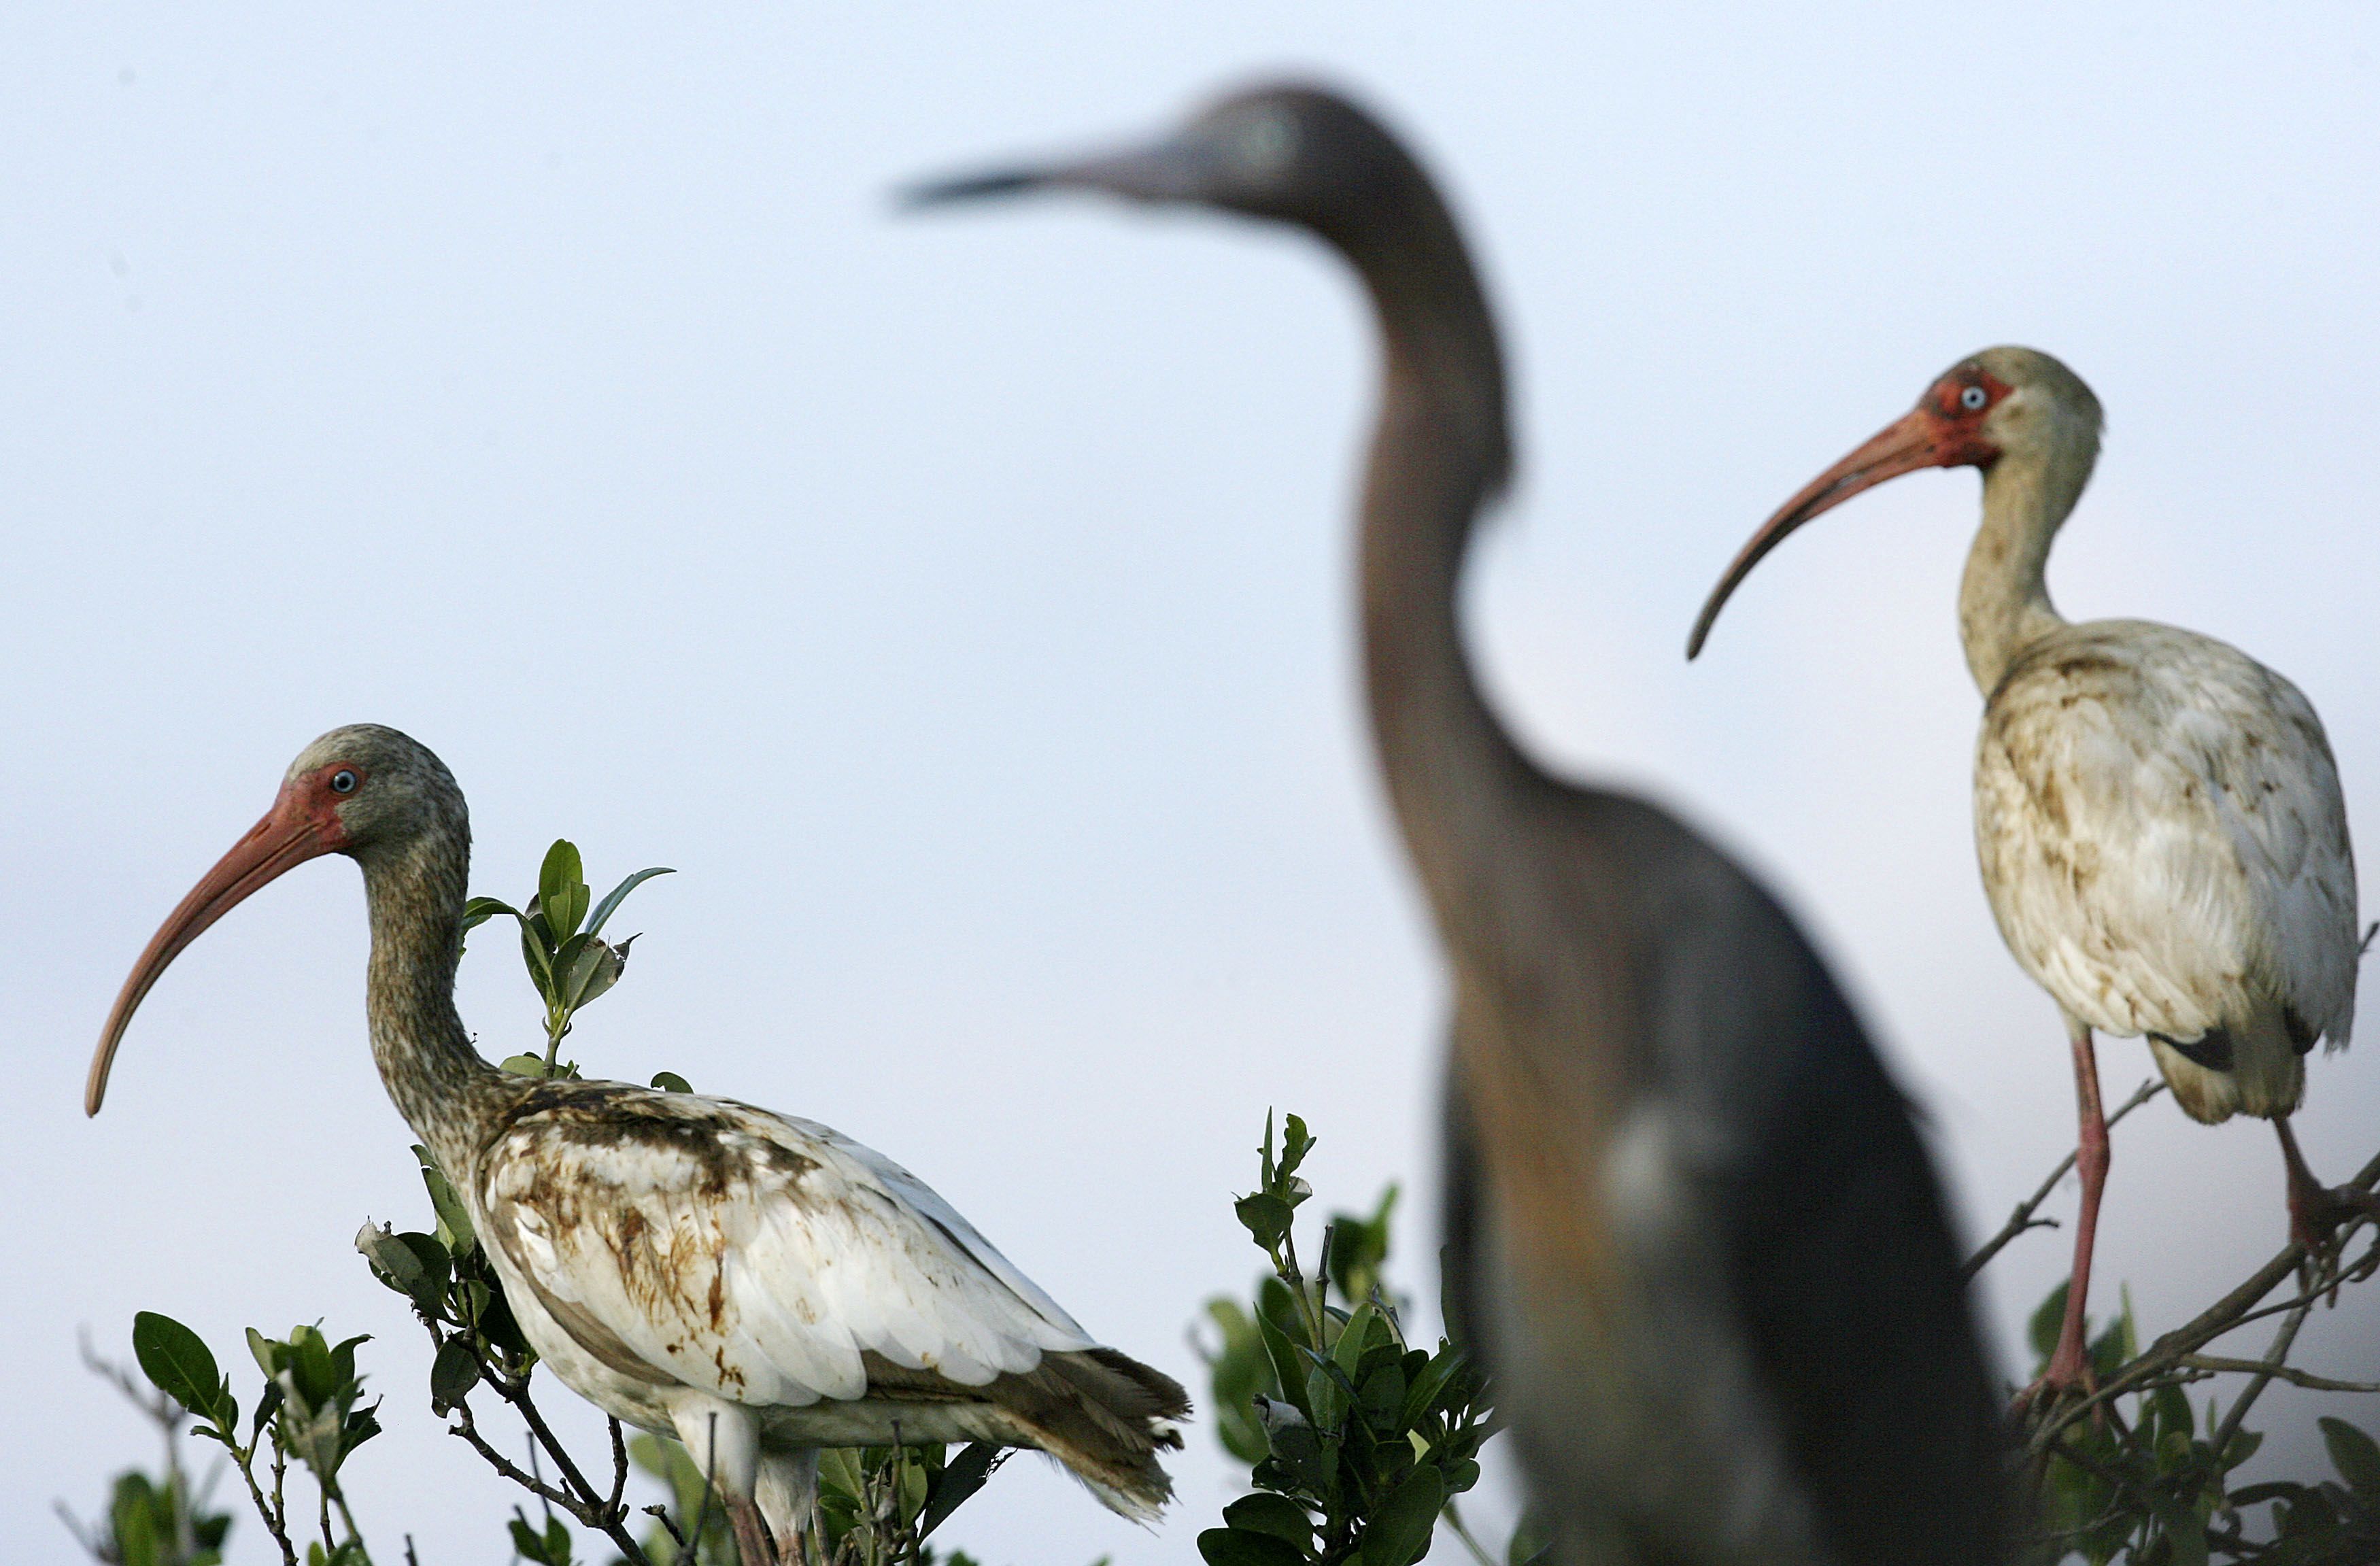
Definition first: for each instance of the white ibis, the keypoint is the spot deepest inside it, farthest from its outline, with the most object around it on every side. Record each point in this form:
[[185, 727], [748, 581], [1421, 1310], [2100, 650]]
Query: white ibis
[[1690, 1224], [757, 1285], [2156, 813]]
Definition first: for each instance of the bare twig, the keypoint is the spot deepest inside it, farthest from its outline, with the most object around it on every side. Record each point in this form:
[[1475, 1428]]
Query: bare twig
[[2273, 1368], [2225, 1315], [619, 1468], [663, 1514], [586, 1505], [2022, 1219]]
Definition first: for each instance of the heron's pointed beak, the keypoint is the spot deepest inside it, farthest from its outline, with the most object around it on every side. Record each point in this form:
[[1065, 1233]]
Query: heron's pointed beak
[[1909, 442], [284, 839], [1172, 169]]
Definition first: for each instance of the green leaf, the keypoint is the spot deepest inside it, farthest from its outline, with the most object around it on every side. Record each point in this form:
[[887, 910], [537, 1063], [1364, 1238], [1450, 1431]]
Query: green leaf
[[1422, 1395], [317, 1377], [1287, 1355], [1294, 1145], [960, 1478], [613, 898], [1327, 1395], [1348, 1352], [413, 1265], [1264, 1512], [1401, 1526], [670, 1081], [561, 895], [1238, 1547], [2353, 1453], [454, 1231], [479, 910], [177, 1361], [2185, 1536], [1267, 1217], [540, 961], [452, 1375], [2049, 1317], [523, 1066]]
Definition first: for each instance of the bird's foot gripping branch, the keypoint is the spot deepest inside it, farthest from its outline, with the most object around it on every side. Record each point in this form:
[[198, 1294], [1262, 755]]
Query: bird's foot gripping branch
[[2129, 1470], [1358, 1441]]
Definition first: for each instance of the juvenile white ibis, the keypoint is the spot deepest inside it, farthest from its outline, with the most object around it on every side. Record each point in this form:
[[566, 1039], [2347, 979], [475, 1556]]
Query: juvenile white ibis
[[1690, 1222], [757, 1285], [2156, 813]]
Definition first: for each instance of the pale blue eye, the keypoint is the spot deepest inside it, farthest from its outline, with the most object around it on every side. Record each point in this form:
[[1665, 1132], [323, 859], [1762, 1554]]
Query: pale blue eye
[[1972, 398], [343, 781]]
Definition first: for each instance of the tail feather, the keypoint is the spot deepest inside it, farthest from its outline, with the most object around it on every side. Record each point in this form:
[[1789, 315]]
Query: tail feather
[[1106, 1416], [2254, 1068], [1103, 1414]]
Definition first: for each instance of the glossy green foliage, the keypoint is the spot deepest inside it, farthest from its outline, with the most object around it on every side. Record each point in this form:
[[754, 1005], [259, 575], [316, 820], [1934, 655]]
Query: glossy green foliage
[[546, 1543], [560, 930], [2145, 1484], [309, 1410], [1357, 1440], [155, 1523], [311, 1395], [876, 1506]]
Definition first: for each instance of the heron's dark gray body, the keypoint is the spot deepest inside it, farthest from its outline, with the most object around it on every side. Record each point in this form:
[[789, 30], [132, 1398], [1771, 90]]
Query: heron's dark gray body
[[1690, 1224]]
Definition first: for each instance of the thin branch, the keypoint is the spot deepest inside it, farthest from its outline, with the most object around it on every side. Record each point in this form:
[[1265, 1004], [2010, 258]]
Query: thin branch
[[2022, 1219], [2274, 1368], [588, 1506], [619, 1468], [277, 1520], [2224, 1316]]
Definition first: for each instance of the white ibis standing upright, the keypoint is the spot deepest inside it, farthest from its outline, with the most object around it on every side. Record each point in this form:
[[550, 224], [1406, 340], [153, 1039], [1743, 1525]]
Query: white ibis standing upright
[[1691, 1225], [2157, 814], [756, 1285]]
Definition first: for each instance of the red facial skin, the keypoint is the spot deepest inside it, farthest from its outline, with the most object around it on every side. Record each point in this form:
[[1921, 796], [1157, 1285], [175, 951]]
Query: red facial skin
[[303, 824], [1942, 431]]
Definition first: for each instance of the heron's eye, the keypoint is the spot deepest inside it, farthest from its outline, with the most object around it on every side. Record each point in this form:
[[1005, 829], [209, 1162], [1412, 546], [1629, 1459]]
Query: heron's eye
[[343, 780], [1972, 398]]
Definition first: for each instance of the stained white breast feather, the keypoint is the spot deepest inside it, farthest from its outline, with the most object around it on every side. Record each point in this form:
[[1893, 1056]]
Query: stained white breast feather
[[753, 1256], [2162, 834]]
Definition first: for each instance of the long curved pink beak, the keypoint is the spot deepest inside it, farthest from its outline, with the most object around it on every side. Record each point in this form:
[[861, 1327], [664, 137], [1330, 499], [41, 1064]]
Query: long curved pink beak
[[1908, 444], [283, 839]]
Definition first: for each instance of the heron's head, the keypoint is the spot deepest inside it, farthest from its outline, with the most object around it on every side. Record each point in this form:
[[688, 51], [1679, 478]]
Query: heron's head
[[1288, 152], [364, 791], [2004, 405]]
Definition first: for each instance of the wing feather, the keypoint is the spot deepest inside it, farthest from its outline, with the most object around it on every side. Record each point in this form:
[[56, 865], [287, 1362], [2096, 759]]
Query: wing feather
[[752, 1255], [2163, 836]]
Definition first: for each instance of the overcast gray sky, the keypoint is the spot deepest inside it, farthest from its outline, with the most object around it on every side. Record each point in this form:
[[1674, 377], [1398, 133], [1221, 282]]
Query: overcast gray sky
[[960, 604]]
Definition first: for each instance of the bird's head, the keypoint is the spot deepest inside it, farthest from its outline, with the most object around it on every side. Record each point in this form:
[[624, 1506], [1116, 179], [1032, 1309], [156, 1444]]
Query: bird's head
[[364, 791], [2005, 404], [1287, 151]]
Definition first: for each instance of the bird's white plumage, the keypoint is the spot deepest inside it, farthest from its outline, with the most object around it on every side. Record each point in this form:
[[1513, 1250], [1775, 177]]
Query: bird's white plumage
[[2162, 838], [704, 1245]]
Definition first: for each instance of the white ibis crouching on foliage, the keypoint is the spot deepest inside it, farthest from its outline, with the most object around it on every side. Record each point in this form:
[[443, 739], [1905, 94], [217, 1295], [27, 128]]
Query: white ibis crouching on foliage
[[1690, 1224], [2157, 814], [757, 1285]]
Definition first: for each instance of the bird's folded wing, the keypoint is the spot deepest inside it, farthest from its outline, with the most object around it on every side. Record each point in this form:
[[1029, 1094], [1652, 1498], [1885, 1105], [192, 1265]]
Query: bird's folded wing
[[2161, 825], [741, 1253]]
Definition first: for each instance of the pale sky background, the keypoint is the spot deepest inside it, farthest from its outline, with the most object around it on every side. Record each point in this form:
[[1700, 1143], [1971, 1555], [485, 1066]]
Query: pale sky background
[[959, 603]]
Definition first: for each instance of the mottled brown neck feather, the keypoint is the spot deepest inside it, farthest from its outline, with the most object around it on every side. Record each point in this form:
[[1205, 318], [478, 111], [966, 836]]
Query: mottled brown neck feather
[[414, 891]]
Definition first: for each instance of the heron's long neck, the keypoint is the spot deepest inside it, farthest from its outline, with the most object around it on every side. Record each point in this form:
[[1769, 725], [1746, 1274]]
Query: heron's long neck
[[1440, 454], [2004, 597], [436, 1079]]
